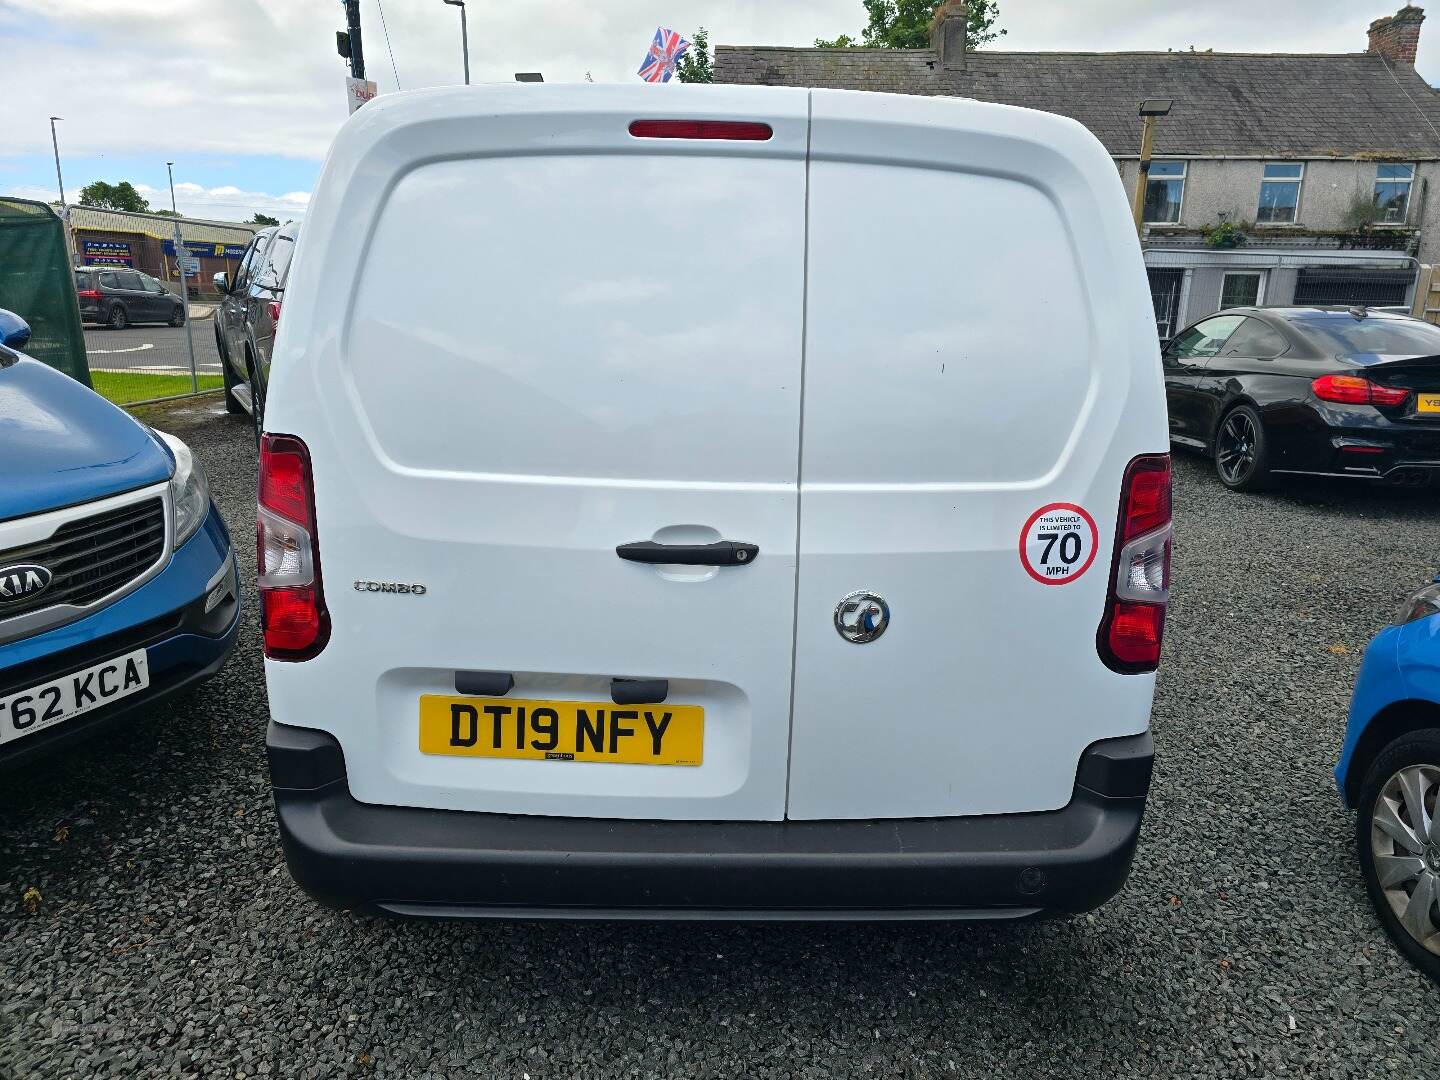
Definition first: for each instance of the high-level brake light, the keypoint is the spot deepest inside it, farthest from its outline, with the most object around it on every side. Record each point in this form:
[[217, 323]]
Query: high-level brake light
[[741, 130]]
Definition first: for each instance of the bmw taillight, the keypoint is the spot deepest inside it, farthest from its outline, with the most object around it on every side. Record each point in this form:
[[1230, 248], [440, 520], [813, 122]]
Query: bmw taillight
[[1354, 390], [293, 618], [1134, 622], [89, 294]]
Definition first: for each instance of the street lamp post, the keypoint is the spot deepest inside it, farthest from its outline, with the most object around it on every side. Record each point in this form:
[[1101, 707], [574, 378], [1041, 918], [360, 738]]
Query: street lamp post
[[180, 256], [1150, 111], [464, 36], [60, 181]]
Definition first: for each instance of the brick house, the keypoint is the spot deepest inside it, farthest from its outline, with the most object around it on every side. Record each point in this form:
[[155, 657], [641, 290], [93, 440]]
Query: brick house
[[1324, 162]]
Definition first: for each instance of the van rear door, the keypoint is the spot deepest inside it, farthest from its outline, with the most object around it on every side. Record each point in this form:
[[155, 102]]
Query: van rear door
[[960, 379], [542, 338]]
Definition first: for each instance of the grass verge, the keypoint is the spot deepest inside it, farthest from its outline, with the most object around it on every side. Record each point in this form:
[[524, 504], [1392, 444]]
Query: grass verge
[[125, 386]]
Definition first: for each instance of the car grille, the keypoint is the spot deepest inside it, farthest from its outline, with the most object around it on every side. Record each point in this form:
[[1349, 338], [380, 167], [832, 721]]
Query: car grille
[[92, 557]]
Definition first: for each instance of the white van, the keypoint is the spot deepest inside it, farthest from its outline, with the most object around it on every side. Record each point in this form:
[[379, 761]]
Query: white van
[[713, 502]]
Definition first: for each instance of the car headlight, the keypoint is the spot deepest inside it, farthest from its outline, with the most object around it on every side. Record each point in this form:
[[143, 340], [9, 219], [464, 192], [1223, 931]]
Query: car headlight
[[189, 491], [1423, 604]]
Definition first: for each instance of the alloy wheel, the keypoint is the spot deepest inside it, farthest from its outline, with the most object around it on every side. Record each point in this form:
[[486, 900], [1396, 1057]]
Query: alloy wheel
[[1235, 453], [1405, 847]]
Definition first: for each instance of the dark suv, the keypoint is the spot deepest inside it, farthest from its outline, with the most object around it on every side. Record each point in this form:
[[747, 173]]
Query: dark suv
[[249, 314], [117, 297]]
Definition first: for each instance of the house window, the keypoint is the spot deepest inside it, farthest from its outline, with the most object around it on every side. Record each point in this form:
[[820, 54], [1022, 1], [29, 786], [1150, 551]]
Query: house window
[[1280, 193], [1245, 289], [1165, 192], [1392, 192]]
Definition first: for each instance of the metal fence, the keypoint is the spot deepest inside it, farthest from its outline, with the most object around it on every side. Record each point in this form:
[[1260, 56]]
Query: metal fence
[[1187, 284], [158, 346]]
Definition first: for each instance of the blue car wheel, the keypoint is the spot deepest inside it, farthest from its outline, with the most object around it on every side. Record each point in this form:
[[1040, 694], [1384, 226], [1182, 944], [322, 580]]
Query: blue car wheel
[[1397, 836]]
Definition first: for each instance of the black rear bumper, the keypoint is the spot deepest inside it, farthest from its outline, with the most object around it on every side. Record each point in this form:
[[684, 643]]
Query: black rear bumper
[[449, 864]]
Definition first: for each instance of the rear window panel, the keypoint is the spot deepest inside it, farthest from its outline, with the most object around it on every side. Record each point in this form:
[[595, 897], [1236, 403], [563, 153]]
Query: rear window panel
[[1256, 339], [1347, 335], [597, 342]]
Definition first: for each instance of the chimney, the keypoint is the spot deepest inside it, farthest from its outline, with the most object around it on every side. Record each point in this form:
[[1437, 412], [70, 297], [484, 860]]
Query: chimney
[[1397, 37], [948, 30]]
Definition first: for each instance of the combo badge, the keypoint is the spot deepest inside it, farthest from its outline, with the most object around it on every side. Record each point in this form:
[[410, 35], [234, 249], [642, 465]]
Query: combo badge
[[1057, 544]]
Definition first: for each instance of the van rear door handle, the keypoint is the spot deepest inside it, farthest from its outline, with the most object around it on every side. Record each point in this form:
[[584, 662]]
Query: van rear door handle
[[720, 553]]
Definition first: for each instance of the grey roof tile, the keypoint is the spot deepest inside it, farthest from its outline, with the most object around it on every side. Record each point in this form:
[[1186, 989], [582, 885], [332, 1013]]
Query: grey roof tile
[[1296, 105]]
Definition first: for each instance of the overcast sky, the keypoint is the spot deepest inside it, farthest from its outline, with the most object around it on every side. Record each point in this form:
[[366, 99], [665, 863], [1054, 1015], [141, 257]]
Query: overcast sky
[[245, 95]]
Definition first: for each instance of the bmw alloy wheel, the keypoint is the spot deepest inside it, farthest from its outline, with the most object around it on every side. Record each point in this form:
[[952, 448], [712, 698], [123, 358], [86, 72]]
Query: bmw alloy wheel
[[1405, 847], [1236, 449]]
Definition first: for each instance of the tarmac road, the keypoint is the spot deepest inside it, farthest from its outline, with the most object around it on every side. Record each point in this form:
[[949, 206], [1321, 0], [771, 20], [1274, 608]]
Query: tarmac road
[[156, 349]]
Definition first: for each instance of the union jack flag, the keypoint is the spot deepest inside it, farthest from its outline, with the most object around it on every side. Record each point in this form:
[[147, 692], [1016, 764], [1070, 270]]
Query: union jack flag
[[665, 52]]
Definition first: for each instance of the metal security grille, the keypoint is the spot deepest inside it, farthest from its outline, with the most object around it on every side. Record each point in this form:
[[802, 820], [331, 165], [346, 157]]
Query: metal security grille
[[92, 557], [1372, 287]]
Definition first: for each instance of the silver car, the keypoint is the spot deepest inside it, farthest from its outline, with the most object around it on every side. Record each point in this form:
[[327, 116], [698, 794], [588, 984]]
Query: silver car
[[248, 315]]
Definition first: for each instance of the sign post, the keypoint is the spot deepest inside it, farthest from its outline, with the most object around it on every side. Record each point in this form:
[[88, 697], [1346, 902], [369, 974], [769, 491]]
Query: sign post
[[180, 261]]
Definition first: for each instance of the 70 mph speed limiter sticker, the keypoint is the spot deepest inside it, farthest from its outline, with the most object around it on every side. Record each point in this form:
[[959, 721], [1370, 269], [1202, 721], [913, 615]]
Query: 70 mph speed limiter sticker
[[1057, 544]]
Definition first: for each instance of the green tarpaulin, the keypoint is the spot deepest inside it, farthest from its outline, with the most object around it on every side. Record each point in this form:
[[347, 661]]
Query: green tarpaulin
[[37, 284]]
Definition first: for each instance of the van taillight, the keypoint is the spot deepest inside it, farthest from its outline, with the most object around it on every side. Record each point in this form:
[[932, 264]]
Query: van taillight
[[742, 130], [273, 310], [293, 618], [1134, 622]]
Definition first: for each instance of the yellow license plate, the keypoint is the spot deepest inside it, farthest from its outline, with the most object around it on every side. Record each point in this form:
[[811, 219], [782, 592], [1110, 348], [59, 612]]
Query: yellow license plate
[[505, 727], [1428, 403]]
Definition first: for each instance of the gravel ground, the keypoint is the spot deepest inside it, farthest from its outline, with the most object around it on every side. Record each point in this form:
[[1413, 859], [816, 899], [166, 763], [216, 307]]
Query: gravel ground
[[171, 941]]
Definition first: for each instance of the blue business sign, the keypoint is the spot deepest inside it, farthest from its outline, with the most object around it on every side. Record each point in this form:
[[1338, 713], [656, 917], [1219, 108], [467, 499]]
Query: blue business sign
[[107, 252], [201, 249]]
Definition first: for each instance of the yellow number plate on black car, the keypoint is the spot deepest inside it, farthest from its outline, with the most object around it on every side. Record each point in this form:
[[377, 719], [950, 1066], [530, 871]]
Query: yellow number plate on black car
[[1428, 403], [561, 730]]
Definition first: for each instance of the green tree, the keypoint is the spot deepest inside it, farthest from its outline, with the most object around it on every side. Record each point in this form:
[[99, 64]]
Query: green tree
[[905, 24], [695, 64], [121, 196], [165, 213], [262, 219]]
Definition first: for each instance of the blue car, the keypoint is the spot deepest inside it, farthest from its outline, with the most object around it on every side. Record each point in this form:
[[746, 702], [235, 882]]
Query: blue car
[[1389, 773], [117, 579]]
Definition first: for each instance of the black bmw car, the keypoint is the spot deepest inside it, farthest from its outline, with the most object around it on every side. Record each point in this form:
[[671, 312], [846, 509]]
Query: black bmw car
[[1319, 391]]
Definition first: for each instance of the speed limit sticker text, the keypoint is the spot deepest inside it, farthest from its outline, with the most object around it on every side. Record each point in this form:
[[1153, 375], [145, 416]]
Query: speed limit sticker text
[[1058, 543]]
